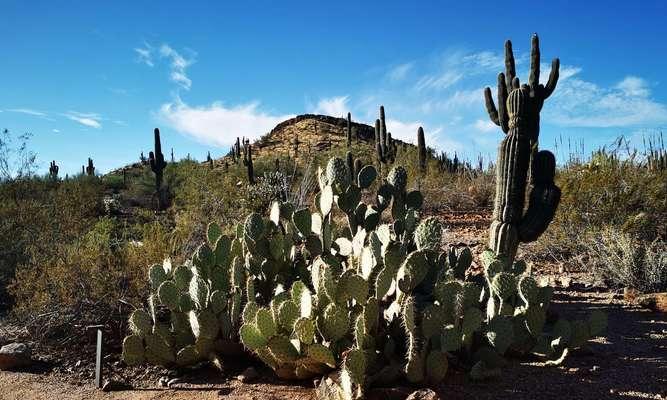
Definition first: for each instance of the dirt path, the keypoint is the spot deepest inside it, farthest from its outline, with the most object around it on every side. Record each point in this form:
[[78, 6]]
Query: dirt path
[[631, 363]]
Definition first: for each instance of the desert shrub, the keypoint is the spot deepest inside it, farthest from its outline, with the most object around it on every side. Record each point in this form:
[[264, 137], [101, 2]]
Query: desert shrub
[[621, 260], [93, 273]]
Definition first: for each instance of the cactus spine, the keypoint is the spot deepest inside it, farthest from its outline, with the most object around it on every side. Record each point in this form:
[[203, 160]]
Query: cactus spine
[[519, 162]]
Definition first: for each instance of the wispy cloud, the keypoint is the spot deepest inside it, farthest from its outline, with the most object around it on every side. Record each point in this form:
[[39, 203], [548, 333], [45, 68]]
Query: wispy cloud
[[178, 65], [28, 111], [399, 72], [91, 120], [217, 124], [145, 54], [334, 106], [55, 130]]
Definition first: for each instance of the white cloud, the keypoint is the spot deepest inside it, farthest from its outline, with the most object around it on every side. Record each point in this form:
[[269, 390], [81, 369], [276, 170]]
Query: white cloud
[[399, 72], [28, 111], [485, 126], [55, 130], [87, 119], [217, 124], [334, 106], [439, 82], [145, 54], [634, 86], [580, 103], [179, 65]]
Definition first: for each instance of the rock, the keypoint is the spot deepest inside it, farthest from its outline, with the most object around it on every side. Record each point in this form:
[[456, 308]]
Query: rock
[[15, 355], [112, 386], [424, 394], [249, 375], [162, 382]]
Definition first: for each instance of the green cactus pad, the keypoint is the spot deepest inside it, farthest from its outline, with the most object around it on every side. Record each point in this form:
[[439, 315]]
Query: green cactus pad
[[204, 324], [529, 291], [413, 271], [213, 233], [367, 176], [451, 338], [169, 295], [321, 354], [408, 316], [140, 323], [355, 365], [352, 286], [304, 329], [253, 226], [265, 322], [326, 200], [218, 302], [185, 303], [398, 178], [249, 312], [472, 320], [504, 285], [282, 349], [335, 322], [157, 275], [414, 200], [133, 350], [158, 350], [500, 333], [472, 294], [535, 319], [199, 292], [414, 369], [428, 234], [336, 173], [182, 276], [432, 320], [251, 337], [436, 366], [562, 330], [288, 313], [302, 220]]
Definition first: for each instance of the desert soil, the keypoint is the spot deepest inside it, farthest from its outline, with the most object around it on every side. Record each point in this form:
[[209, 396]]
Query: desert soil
[[630, 363]]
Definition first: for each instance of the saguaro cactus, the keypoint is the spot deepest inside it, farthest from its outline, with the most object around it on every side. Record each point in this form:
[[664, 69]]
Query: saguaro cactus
[[421, 148], [247, 161], [519, 162], [53, 170], [349, 129], [157, 163], [90, 169]]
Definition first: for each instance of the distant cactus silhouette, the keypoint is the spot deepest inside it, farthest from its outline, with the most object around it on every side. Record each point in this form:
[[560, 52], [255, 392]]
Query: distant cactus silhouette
[[53, 170], [90, 169], [421, 149], [157, 163], [349, 130]]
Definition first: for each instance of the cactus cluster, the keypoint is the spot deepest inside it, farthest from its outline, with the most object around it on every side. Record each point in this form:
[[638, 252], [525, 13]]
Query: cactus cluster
[[378, 298], [89, 169]]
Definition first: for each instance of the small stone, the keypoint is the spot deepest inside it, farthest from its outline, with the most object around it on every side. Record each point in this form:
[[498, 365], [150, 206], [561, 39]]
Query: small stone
[[594, 369], [15, 355], [163, 381], [249, 375], [78, 364], [112, 386], [423, 394], [173, 382]]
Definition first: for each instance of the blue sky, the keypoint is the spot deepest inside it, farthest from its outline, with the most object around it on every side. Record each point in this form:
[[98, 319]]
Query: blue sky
[[93, 80]]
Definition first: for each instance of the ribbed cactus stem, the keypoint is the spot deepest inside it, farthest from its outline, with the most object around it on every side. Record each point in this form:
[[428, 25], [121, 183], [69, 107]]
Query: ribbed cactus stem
[[519, 163], [378, 141], [349, 129], [349, 160], [383, 134], [53, 170], [248, 163], [421, 148]]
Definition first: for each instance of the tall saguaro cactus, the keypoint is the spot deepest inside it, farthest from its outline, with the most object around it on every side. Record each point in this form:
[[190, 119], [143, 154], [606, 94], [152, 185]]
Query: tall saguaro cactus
[[520, 165], [53, 170], [421, 149], [349, 130], [157, 163], [90, 169]]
